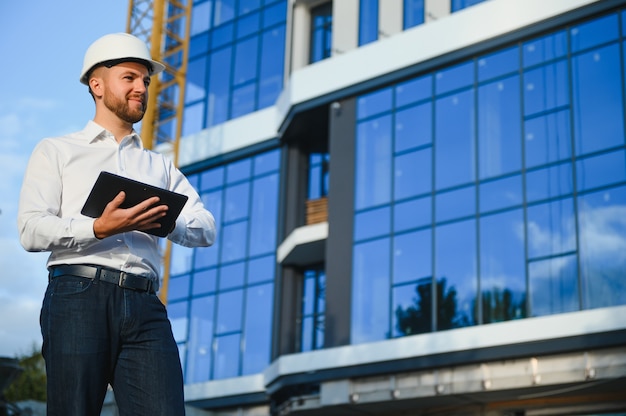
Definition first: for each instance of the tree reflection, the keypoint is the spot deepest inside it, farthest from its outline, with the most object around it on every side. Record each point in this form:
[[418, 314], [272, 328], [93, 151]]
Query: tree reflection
[[417, 318], [500, 305], [497, 305]]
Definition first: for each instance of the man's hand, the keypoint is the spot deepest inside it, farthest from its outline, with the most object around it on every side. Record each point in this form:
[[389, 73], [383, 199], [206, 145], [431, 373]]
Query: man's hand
[[116, 220]]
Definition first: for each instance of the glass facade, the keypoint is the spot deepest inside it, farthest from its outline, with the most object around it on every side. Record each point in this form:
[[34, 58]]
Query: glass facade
[[321, 32], [220, 298], [457, 5], [368, 21], [413, 14], [236, 60], [312, 314], [493, 189]]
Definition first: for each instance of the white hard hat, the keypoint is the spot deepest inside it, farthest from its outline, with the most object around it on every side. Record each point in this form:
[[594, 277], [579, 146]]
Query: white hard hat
[[116, 48]]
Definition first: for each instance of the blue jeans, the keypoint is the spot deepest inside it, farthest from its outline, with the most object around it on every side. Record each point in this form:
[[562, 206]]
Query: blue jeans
[[97, 333]]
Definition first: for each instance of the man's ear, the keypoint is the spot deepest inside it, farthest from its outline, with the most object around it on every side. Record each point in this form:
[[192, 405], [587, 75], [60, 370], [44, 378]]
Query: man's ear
[[95, 85]]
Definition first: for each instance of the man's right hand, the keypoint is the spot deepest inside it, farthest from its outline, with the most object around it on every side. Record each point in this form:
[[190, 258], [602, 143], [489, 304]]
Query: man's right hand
[[116, 220]]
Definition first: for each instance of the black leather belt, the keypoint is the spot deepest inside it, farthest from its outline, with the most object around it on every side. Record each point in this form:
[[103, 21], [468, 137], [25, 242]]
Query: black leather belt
[[122, 279]]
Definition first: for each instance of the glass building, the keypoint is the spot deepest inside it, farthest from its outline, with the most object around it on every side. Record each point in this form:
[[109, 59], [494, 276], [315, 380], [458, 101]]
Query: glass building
[[421, 208]]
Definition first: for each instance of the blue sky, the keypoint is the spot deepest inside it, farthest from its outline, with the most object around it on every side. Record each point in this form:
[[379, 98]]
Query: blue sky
[[42, 44]]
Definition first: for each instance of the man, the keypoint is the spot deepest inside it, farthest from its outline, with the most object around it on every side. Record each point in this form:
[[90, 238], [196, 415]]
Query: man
[[101, 320]]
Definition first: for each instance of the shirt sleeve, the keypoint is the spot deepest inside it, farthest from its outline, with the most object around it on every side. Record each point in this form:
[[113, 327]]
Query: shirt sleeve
[[40, 225], [195, 226]]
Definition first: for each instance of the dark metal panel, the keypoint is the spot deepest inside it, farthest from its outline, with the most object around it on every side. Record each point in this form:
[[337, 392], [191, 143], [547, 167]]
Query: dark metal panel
[[340, 223]]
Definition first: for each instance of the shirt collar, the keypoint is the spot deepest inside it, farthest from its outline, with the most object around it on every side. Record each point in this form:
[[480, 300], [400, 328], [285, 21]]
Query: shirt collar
[[95, 132]]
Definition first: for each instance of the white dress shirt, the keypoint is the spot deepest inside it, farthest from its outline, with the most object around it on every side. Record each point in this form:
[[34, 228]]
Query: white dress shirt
[[58, 179]]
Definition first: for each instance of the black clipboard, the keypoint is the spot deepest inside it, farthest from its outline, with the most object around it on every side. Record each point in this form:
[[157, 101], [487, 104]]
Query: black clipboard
[[108, 185]]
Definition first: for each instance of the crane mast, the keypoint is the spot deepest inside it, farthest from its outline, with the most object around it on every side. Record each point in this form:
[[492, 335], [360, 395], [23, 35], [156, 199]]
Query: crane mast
[[164, 26]]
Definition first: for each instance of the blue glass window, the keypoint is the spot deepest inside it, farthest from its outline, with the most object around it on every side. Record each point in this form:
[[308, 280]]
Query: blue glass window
[[412, 174], [454, 152], [259, 301], [412, 214], [372, 223], [602, 170], [594, 33], [602, 261], [455, 204], [413, 127], [374, 103], [548, 138], [321, 32], [318, 175], [414, 90], [544, 49], [368, 21], [373, 163], [313, 307], [553, 286], [456, 274], [499, 128], [544, 154], [502, 267], [236, 59], [551, 228], [370, 291], [230, 284], [550, 182], [597, 78], [546, 88], [456, 77], [412, 256], [501, 193], [413, 13], [498, 63], [457, 5], [199, 362]]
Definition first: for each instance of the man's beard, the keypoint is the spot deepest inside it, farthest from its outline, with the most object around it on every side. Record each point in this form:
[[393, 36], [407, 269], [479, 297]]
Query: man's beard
[[122, 110]]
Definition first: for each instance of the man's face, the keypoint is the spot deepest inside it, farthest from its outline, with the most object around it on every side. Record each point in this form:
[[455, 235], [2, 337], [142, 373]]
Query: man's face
[[126, 90]]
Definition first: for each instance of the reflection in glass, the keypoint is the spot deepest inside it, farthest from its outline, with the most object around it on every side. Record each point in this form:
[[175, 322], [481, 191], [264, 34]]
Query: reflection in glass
[[602, 170], [412, 254], [456, 271], [594, 32], [498, 63], [548, 138], [551, 182], [597, 78], [413, 127], [200, 342], [499, 130], [455, 204], [502, 266], [227, 356], [412, 214], [551, 228], [454, 151], [257, 326], [546, 88], [553, 286], [313, 307], [373, 223], [373, 163], [412, 174], [412, 306], [501, 193], [413, 13], [603, 247], [370, 291], [543, 49]]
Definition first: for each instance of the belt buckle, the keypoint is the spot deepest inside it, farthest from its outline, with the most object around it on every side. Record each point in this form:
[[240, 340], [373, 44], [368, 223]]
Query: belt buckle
[[121, 282]]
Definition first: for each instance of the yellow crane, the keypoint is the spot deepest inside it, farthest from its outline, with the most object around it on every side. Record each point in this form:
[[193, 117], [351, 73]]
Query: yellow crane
[[164, 25]]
